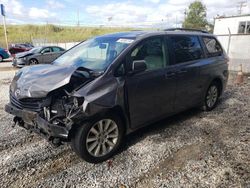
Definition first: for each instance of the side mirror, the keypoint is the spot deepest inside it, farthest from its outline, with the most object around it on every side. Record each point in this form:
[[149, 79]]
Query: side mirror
[[138, 66]]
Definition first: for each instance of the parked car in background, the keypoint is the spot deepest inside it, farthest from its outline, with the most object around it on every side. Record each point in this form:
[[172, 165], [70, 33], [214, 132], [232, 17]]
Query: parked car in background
[[109, 86], [17, 48], [38, 55], [4, 54]]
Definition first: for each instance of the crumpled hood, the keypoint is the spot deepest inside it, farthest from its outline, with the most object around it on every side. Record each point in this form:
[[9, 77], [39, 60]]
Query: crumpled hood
[[37, 81], [23, 54]]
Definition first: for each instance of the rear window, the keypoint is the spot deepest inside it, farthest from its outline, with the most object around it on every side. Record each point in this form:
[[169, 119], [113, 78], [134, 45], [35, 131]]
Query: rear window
[[213, 47], [186, 48]]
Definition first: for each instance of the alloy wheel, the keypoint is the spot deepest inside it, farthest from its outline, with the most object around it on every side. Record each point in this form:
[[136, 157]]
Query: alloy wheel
[[102, 137], [212, 96]]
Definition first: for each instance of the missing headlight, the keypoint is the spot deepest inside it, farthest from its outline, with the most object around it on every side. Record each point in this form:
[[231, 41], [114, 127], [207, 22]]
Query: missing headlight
[[78, 101], [46, 112]]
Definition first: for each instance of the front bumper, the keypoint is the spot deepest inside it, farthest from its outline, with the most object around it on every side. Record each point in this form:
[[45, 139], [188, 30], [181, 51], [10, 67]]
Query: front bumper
[[19, 62], [32, 121]]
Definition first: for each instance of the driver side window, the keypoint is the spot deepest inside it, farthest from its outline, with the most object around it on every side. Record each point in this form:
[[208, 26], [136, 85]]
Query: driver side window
[[46, 50], [152, 51]]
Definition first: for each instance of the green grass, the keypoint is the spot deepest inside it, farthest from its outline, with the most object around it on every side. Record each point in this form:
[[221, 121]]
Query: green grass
[[52, 33]]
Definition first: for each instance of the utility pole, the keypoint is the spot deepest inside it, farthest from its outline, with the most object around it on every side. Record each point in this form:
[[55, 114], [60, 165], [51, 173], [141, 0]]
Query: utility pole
[[185, 13], [78, 22], [241, 4], [167, 17], [110, 19], [4, 25], [46, 32], [176, 21]]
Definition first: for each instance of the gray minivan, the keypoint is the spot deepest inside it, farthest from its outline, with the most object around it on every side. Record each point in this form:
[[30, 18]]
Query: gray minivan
[[108, 86]]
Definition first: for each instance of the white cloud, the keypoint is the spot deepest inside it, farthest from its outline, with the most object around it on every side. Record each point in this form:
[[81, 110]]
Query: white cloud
[[36, 13], [168, 13], [12, 6], [121, 13], [16, 12], [136, 15], [153, 1], [148, 13], [179, 2], [55, 4]]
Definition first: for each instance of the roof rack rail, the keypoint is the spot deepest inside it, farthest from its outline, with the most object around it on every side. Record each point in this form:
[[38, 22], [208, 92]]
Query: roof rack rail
[[184, 29]]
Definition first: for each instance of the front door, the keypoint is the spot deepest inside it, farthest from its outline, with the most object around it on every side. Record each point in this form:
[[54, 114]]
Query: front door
[[47, 55], [150, 93]]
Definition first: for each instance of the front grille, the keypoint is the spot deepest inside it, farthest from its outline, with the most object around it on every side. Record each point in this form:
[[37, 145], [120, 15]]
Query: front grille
[[30, 104]]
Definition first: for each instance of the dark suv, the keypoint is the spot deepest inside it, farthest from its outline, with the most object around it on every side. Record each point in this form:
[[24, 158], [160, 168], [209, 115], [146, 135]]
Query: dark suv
[[108, 86]]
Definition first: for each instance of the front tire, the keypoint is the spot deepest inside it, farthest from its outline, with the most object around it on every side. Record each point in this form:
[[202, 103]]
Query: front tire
[[98, 140], [33, 62], [212, 97], [1, 58]]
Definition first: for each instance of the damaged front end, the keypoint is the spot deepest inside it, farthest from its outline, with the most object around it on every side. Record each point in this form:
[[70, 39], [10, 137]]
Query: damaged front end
[[50, 114]]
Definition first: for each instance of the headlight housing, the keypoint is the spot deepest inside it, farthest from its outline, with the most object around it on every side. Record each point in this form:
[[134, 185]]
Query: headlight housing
[[78, 101], [75, 102]]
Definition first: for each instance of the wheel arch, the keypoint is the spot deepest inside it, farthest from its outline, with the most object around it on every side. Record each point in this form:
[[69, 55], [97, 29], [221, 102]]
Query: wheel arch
[[1, 56], [116, 110], [219, 82]]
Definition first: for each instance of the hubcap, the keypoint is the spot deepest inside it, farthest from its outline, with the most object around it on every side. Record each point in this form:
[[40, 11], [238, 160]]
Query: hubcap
[[102, 137], [212, 96], [1, 59], [33, 62]]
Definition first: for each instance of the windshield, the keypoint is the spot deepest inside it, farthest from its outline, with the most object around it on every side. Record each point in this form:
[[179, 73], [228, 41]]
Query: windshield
[[35, 50], [95, 54]]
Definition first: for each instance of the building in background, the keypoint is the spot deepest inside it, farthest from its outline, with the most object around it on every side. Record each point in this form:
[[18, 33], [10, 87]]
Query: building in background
[[234, 34]]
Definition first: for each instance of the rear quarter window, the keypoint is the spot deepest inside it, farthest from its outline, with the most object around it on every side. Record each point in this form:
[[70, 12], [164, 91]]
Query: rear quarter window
[[213, 47]]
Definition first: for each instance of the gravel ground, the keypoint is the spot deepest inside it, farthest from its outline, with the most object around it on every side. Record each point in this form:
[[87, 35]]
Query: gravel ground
[[192, 149]]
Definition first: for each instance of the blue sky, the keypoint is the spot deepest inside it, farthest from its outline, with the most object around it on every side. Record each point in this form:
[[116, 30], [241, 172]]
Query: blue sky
[[143, 13]]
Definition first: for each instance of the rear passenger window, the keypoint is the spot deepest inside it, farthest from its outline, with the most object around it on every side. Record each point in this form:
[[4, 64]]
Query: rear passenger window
[[186, 48], [55, 49], [152, 51], [213, 47]]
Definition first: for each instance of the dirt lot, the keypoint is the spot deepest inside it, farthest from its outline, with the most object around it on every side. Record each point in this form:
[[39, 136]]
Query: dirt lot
[[192, 149]]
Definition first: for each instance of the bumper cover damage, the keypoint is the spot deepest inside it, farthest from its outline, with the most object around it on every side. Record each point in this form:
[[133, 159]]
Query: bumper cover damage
[[32, 121]]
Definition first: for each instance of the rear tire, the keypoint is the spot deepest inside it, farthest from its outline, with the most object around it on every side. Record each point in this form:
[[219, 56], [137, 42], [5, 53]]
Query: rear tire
[[98, 140], [212, 97], [1, 58]]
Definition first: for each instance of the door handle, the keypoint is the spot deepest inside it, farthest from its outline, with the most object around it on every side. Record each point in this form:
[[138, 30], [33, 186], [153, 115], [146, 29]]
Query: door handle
[[170, 75], [182, 71]]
